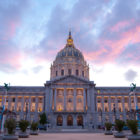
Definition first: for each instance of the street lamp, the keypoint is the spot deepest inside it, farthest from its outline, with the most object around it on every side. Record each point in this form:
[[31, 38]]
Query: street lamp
[[2, 116], [132, 89]]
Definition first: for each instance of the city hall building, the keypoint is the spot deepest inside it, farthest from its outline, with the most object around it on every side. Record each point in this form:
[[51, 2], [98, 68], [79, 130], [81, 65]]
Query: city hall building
[[70, 99]]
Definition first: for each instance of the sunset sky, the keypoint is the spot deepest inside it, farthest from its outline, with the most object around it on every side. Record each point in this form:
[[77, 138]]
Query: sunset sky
[[106, 31]]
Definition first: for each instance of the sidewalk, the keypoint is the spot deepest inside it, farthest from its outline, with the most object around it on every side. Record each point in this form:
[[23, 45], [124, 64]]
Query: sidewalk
[[73, 136]]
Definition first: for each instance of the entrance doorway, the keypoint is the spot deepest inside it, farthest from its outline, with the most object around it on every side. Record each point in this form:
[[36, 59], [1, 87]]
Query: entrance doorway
[[80, 120], [59, 120], [69, 120]]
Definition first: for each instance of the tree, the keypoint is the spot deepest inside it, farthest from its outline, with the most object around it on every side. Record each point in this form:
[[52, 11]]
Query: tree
[[43, 118]]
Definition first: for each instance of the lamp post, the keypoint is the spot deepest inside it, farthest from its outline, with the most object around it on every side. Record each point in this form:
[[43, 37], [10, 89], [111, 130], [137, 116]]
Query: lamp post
[[6, 86], [133, 89], [132, 92]]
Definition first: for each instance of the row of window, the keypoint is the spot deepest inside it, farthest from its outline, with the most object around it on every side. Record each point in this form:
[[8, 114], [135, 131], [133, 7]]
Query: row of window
[[70, 72], [119, 101], [106, 109], [19, 109], [20, 99]]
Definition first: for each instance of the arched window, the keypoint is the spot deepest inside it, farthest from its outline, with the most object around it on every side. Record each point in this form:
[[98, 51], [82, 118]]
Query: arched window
[[62, 72], [80, 120], [69, 71], [77, 72], [59, 120], [83, 73]]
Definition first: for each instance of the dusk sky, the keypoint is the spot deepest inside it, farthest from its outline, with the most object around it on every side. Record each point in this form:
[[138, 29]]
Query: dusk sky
[[106, 31]]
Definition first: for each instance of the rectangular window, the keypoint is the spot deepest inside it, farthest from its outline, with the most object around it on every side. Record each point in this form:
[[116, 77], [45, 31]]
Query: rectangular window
[[13, 99], [40, 100], [62, 72], [77, 72], [56, 73], [69, 71], [33, 100], [83, 73]]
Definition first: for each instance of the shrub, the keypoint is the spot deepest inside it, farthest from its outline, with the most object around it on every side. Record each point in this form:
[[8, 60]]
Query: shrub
[[108, 126], [133, 125], [23, 124], [34, 126], [119, 124], [10, 124]]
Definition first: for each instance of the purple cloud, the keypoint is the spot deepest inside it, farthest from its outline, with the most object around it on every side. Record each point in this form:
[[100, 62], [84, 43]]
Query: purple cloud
[[130, 75], [10, 17]]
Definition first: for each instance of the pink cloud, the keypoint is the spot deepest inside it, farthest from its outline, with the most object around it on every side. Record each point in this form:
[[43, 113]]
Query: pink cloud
[[13, 60], [121, 25], [116, 47]]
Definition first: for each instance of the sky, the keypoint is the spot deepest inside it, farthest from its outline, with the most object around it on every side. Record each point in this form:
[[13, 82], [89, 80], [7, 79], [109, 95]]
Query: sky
[[107, 32]]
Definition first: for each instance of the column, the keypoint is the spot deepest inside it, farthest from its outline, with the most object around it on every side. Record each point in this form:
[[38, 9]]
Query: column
[[74, 120], [36, 108], [65, 103], [116, 106], [55, 96], [42, 104], [36, 104], [109, 103], [16, 101], [102, 103], [129, 103], [30, 103], [9, 102], [103, 113], [64, 120], [22, 104], [88, 99], [124, 112], [123, 104], [51, 98], [74, 99], [110, 112], [84, 99]]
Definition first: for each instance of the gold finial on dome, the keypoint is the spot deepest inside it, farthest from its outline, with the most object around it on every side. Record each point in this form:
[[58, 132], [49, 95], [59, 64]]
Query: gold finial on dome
[[70, 40]]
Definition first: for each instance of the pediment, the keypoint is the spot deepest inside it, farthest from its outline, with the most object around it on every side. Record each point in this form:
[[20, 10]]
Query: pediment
[[70, 80]]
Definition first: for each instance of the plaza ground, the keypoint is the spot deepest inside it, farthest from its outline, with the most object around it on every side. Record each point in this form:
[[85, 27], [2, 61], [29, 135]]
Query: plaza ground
[[72, 136]]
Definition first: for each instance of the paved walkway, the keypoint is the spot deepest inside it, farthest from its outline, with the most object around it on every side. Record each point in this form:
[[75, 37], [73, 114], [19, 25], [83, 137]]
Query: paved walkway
[[70, 136]]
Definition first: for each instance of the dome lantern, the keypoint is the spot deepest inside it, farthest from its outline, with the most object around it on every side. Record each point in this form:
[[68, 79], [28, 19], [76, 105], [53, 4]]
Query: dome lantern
[[70, 40]]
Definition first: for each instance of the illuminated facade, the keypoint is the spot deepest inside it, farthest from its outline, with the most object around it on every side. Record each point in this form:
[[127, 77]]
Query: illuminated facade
[[70, 99]]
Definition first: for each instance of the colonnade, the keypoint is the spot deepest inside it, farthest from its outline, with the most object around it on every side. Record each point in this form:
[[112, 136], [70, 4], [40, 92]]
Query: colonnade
[[86, 98], [24, 101], [114, 111]]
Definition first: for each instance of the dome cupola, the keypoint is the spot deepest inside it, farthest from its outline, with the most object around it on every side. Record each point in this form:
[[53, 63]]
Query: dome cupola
[[69, 53], [69, 61]]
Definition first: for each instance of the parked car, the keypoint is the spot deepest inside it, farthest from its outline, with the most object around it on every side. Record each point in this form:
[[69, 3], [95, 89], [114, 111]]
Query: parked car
[[42, 127], [126, 128]]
